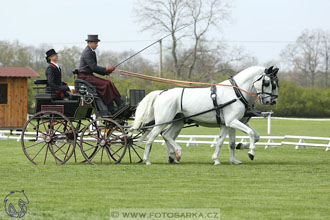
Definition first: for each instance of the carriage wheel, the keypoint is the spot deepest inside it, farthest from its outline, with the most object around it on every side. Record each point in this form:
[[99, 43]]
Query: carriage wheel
[[48, 131], [103, 141]]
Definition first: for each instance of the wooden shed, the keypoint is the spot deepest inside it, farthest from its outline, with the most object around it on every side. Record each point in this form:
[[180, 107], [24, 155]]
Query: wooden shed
[[13, 96]]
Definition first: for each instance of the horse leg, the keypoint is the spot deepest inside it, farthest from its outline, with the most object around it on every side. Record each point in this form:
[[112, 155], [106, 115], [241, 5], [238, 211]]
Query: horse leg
[[143, 137], [174, 150], [242, 146], [152, 136], [232, 137], [246, 129], [222, 136]]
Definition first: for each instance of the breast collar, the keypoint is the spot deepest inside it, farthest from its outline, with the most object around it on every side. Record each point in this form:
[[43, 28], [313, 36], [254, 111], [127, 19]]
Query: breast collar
[[239, 93]]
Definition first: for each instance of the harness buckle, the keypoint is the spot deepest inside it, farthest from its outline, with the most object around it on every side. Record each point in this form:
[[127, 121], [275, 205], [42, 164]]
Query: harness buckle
[[213, 96]]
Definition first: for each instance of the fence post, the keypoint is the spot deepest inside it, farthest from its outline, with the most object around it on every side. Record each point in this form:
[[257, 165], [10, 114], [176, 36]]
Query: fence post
[[269, 122], [301, 140]]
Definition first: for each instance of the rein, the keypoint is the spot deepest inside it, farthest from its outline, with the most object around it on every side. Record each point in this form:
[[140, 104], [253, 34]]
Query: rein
[[180, 82]]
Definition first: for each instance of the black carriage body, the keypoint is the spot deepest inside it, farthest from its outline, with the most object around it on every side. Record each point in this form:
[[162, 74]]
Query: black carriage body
[[73, 106], [83, 103]]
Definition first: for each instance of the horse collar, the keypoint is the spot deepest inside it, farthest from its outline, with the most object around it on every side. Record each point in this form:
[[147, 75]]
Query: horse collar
[[239, 93]]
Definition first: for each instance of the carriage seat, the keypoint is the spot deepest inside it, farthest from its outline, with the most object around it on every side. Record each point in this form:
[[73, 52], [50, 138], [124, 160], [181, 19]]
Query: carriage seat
[[81, 86], [48, 93]]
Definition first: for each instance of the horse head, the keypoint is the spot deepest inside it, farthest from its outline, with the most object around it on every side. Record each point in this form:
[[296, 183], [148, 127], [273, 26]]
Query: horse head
[[267, 86]]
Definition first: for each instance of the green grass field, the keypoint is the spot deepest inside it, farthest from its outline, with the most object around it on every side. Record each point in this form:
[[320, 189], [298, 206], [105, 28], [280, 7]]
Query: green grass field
[[281, 183]]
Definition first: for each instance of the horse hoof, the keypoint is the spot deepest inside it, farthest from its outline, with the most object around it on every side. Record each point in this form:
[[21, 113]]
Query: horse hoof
[[237, 162], [216, 163], [170, 160], [178, 155], [238, 147], [251, 156], [148, 163]]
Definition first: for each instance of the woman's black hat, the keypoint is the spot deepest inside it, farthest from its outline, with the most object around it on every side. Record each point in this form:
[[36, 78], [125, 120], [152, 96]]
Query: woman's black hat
[[50, 53]]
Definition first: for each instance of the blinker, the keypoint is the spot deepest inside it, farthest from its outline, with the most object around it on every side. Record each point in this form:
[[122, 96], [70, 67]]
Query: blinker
[[266, 82]]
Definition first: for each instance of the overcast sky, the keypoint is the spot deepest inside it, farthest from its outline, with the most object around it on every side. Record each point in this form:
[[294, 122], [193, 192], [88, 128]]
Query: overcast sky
[[263, 27]]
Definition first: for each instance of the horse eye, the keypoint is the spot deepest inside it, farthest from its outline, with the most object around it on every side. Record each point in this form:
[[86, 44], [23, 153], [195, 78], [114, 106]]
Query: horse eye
[[266, 83]]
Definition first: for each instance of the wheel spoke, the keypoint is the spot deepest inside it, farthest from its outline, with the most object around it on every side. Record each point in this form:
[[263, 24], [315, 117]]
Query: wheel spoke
[[56, 123], [138, 146], [45, 156], [39, 151], [130, 156], [115, 152], [33, 145], [59, 148], [90, 147], [108, 154], [136, 153], [102, 154], [66, 154], [92, 157]]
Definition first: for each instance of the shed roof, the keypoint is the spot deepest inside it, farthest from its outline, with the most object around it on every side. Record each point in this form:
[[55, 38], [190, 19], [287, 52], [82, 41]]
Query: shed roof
[[17, 72]]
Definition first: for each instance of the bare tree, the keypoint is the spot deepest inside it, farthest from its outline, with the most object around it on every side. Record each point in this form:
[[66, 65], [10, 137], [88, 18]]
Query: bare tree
[[305, 55], [325, 52], [168, 16], [203, 15], [163, 17], [69, 58]]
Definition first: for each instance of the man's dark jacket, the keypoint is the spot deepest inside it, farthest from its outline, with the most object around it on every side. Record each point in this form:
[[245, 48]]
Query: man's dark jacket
[[88, 65]]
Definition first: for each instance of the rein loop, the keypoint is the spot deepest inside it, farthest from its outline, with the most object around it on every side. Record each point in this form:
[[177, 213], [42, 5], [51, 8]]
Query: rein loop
[[181, 82]]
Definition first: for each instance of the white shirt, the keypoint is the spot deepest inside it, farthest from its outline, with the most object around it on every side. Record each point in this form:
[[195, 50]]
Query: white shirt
[[92, 49], [56, 65]]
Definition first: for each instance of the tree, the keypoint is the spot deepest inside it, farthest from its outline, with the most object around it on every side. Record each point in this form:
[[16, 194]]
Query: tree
[[14, 54], [69, 59], [325, 52], [203, 15], [170, 16], [305, 56], [38, 61]]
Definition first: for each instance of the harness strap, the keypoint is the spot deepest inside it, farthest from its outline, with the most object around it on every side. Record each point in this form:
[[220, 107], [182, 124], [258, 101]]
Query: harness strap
[[239, 93], [182, 97], [215, 103], [152, 123]]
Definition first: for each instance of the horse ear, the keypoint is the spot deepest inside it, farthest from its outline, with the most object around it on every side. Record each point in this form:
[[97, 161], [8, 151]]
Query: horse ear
[[269, 70]]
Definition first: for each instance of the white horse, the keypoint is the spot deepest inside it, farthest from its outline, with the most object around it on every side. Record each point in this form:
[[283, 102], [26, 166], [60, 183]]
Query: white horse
[[164, 106]]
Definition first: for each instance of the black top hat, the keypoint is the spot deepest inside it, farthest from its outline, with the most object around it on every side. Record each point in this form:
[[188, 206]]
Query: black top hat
[[93, 38], [49, 53]]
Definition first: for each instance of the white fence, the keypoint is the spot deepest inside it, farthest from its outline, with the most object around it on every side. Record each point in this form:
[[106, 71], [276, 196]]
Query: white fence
[[193, 140], [266, 141]]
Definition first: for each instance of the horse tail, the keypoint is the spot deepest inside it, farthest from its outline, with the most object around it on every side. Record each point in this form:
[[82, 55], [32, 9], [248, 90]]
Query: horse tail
[[145, 110]]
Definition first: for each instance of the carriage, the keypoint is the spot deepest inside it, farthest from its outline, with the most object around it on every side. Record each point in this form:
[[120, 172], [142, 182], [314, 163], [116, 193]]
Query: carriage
[[60, 127]]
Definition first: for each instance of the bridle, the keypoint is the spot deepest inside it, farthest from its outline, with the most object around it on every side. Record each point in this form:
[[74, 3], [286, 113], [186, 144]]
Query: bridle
[[273, 81]]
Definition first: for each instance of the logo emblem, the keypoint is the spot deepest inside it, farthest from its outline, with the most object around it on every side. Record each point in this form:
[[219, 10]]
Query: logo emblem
[[19, 198]]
